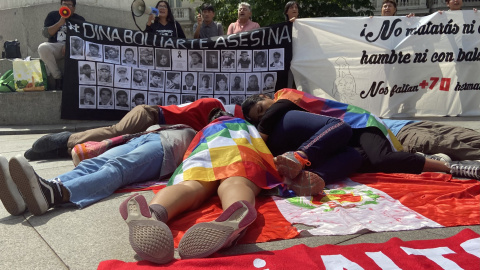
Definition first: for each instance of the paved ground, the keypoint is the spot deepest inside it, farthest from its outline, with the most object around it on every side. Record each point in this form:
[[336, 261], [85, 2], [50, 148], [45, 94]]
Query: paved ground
[[68, 238]]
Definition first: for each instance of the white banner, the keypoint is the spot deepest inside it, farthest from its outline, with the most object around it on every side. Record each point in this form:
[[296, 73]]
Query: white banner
[[392, 66]]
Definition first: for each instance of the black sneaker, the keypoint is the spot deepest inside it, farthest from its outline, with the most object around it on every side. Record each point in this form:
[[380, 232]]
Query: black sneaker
[[39, 194], [51, 142], [467, 171], [32, 155], [9, 195]]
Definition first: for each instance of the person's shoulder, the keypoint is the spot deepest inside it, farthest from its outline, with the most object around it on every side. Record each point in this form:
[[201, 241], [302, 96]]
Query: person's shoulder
[[77, 17]]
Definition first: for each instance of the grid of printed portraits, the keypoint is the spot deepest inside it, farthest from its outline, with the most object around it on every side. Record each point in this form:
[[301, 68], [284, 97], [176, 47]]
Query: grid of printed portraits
[[122, 77]]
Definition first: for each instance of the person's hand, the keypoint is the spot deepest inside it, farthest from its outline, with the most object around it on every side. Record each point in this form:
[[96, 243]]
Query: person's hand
[[151, 19], [410, 15], [199, 19], [62, 20], [292, 19]]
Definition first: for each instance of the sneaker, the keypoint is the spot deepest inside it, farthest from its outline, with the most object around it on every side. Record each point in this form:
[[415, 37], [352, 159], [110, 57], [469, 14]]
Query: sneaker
[[204, 239], [52, 142], [290, 164], [150, 238], [9, 194], [32, 155], [307, 184], [439, 156], [467, 171], [39, 194]]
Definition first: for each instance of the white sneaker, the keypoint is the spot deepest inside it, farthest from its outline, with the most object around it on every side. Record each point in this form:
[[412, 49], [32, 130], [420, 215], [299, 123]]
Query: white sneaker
[[439, 156]]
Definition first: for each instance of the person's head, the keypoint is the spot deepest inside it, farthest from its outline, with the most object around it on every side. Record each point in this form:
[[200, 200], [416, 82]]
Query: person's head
[[196, 58], [122, 71], [172, 100], [105, 71], [89, 93], [208, 13], [105, 95], [129, 54], [112, 53], [70, 4], [174, 77], [155, 99], [156, 77], [216, 113], [244, 55], [454, 4], [259, 57], [206, 81], [268, 80], [389, 8], [164, 11], [163, 59], [291, 10], [252, 81], [221, 82], [276, 57], [122, 97], [139, 99], [86, 69], [212, 58], [138, 75], [254, 107], [237, 80], [94, 48], [244, 11], [189, 79]]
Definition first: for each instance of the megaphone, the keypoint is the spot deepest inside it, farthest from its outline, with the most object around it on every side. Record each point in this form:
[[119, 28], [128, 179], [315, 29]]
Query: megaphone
[[65, 12], [138, 9]]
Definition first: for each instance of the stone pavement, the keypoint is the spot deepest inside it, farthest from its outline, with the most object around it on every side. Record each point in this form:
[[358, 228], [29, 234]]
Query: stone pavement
[[69, 238]]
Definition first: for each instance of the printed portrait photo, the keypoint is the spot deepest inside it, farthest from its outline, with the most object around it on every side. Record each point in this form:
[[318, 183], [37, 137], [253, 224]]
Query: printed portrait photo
[[122, 97], [94, 52], [212, 60], [87, 96], [260, 60], [195, 60], [244, 61], [105, 98], [237, 83], [77, 48], [174, 81], [111, 54], [223, 98], [221, 83], [157, 79], [172, 99], [179, 60], [138, 98], [277, 59], [163, 59], [189, 82], [140, 78], [237, 99], [105, 74], [86, 72], [228, 61], [146, 57], [129, 56], [205, 83], [155, 98], [253, 81], [269, 81], [123, 75], [187, 98]]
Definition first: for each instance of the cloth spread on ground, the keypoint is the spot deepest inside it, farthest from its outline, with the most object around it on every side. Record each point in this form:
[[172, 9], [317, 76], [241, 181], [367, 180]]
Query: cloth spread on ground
[[356, 117], [460, 251]]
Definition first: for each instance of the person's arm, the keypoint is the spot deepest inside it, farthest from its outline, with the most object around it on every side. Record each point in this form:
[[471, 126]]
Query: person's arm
[[150, 21], [220, 29], [273, 115], [197, 26], [51, 27], [231, 28]]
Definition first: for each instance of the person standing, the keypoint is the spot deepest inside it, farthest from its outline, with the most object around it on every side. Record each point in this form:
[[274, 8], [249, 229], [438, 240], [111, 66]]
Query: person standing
[[208, 27], [55, 29], [164, 24], [244, 22]]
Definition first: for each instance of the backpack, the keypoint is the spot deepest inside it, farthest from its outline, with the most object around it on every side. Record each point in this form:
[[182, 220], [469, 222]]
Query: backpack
[[7, 83], [11, 49]]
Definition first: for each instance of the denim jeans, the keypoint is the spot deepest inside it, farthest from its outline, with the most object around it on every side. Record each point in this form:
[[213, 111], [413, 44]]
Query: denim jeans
[[94, 179]]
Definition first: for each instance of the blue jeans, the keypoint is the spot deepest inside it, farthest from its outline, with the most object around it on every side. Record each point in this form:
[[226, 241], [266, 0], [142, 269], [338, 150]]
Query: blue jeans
[[94, 179]]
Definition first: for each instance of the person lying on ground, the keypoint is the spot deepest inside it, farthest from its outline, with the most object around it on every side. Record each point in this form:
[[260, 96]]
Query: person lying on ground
[[148, 157], [228, 158]]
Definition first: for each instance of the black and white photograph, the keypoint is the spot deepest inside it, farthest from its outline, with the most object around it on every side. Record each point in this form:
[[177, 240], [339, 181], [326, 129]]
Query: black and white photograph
[[93, 51], [223, 98], [269, 81], [87, 97], [205, 96], [237, 83], [237, 99], [221, 83], [187, 98], [163, 59], [260, 60], [244, 61], [123, 75], [189, 82], [77, 46], [155, 98], [228, 63], [173, 81], [205, 83], [129, 56], [138, 98], [122, 97], [277, 59], [140, 78], [145, 57], [105, 74], [172, 99], [212, 61], [253, 81], [86, 72], [111, 54], [195, 60], [157, 79], [180, 60], [105, 98]]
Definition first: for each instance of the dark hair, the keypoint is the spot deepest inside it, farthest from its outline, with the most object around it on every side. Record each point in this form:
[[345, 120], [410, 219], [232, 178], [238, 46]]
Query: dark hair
[[268, 75], [261, 53], [276, 53], [207, 6], [287, 7], [216, 113], [129, 49], [139, 95], [105, 89], [120, 93], [172, 75], [86, 65], [88, 91], [197, 53], [191, 75], [206, 77], [157, 74], [221, 77], [170, 17], [172, 95], [249, 103], [74, 2], [94, 45], [394, 3]]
